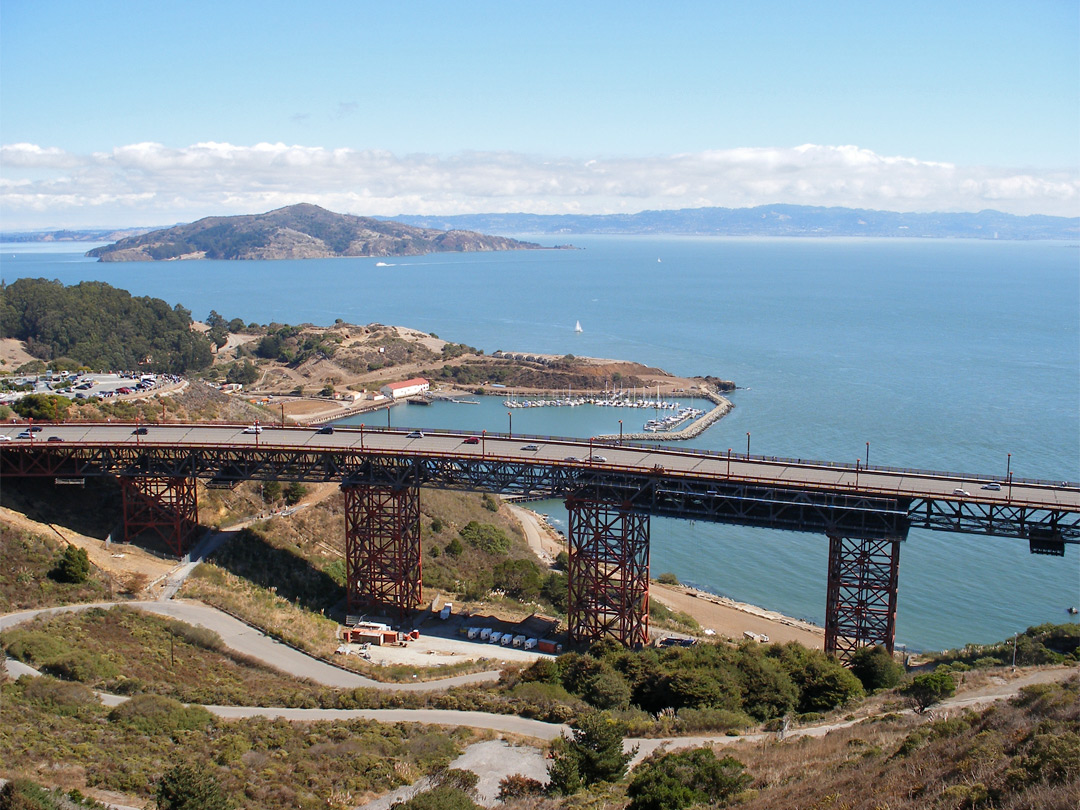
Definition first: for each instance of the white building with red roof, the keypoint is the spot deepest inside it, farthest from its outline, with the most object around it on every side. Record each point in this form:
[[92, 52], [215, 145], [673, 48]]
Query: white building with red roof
[[405, 388]]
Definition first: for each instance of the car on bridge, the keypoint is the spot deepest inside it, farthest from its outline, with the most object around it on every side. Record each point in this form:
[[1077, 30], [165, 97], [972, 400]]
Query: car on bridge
[[140, 431], [326, 429], [993, 486], [530, 447], [416, 434], [596, 457], [472, 440], [963, 493], [253, 429]]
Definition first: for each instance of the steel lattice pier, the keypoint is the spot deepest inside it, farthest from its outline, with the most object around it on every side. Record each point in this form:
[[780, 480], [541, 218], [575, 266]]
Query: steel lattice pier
[[382, 547], [167, 506], [860, 608], [608, 572]]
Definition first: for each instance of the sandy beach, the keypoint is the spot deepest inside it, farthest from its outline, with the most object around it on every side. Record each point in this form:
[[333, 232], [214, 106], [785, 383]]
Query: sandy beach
[[726, 617]]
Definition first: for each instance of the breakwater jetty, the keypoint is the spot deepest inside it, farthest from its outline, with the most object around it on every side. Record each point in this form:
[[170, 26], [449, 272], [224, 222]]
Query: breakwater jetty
[[722, 406]]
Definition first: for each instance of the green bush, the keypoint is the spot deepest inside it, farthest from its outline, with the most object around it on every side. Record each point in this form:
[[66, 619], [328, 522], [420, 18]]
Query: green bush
[[668, 578], [186, 787], [158, 715], [684, 778], [930, 688], [73, 566], [876, 668]]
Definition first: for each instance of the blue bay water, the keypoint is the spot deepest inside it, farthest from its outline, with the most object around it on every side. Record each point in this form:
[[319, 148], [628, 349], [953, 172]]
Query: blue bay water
[[945, 355]]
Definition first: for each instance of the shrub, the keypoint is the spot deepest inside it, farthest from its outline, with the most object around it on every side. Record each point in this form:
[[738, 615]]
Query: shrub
[[155, 715], [926, 690], [73, 566], [185, 787], [594, 753], [876, 668], [62, 697], [517, 785], [668, 578], [685, 778], [443, 797]]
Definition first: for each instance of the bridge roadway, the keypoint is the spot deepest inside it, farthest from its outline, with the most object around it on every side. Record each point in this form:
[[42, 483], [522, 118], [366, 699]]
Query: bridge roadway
[[573, 456]]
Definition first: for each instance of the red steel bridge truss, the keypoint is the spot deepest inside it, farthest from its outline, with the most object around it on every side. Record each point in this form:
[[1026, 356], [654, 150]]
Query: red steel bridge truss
[[609, 513]]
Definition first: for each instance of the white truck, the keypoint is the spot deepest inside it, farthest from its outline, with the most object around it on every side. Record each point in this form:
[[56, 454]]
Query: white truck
[[472, 632], [519, 641], [494, 637], [485, 633], [447, 609]]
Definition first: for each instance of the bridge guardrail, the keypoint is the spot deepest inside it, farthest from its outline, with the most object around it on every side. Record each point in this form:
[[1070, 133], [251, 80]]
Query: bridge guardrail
[[579, 441]]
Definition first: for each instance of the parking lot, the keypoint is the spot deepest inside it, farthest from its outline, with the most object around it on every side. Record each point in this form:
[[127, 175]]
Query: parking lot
[[131, 385]]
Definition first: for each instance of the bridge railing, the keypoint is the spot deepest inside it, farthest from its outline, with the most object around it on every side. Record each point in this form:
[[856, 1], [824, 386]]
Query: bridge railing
[[611, 443]]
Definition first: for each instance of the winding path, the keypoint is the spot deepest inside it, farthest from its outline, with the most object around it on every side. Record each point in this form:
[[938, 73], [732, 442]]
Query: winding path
[[245, 639]]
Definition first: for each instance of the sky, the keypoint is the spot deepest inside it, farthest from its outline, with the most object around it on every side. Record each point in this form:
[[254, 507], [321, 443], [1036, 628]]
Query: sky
[[118, 114]]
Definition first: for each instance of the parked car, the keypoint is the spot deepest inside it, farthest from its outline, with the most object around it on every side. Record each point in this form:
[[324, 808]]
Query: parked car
[[472, 440]]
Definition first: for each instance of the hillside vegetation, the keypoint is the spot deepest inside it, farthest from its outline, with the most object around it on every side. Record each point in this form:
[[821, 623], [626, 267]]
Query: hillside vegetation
[[300, 231], [98, 326]]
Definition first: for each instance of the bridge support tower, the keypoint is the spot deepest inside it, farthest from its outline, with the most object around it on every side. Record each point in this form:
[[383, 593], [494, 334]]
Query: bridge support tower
[[382, 547], [860, 608], [167, 506], [608, 572]]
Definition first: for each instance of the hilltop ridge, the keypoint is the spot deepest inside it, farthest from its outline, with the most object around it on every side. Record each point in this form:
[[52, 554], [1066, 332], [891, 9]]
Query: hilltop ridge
[[301, 231]]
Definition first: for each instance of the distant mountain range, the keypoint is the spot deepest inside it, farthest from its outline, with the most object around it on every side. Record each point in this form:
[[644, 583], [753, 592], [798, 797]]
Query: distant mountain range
[[282, 234], [297, 232], [769, 220]]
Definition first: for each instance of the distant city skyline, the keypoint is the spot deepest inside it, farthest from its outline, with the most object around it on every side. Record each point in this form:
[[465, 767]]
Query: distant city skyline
[[118, 114]]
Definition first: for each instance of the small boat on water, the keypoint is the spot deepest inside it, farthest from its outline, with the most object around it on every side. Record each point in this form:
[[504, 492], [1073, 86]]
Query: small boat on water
[[577, 327]]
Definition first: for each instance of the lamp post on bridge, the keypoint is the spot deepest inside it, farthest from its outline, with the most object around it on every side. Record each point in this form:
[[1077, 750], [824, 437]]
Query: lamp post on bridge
[[1008, 473], [748, 445], [483, 442], [868, 454], [510, 420], [620, 433], [729, 462], [387, 417], [361, 435]]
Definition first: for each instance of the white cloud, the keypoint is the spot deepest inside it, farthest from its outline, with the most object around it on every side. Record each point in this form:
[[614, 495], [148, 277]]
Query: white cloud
[[152, 184]]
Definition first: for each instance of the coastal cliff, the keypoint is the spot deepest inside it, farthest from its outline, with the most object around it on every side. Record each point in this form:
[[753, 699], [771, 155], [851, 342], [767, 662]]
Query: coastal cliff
[[300, 231]]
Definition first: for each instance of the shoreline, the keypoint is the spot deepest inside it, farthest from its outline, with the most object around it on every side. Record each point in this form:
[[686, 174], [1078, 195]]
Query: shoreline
[[728, 618]]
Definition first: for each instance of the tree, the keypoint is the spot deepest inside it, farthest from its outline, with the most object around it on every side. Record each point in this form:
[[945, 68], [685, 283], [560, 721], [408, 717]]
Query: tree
[[185, 787], [875, 667], [594, 753], [294, 493], [243, 373], [685, 778], [51, 407], [454, 548], [927, 689], [73, 566]]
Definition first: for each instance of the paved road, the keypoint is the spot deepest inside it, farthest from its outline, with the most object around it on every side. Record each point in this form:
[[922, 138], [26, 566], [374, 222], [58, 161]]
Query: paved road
[[578, 453], [247, 640]]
